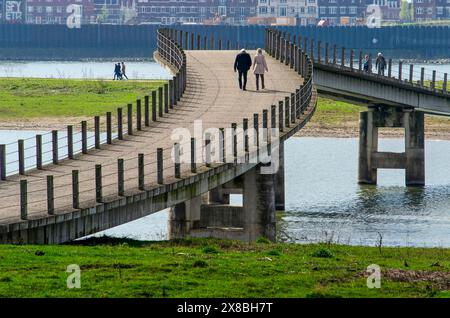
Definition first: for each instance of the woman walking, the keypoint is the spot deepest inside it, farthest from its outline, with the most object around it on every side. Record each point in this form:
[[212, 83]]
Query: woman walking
[[259, 68]]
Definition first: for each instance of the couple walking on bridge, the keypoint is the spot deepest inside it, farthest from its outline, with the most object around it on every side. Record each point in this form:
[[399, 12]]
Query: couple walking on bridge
[[243, 63]]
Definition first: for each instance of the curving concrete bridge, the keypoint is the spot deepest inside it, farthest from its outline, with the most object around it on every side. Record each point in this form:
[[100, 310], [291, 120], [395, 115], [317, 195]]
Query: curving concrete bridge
[[138, 173], [199, 139]]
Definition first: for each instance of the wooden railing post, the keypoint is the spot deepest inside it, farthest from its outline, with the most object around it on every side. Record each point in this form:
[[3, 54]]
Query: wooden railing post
[[138, 114], [2, 162], [119, 123], [130, 119], [360, 60], [400, 67], [411, 73], [334, 54], [21, 156], [160, 101], [39, 152], [444, 84], [69, 142], [433, 80], [141, 173], [98, 184], [97, 131], [23, 199], [154, 106], [160, 166], [287, 121], [146, 111], [280, 115], [390, 68], [84, 137], [166, 98], [55, 146], [273, 116], [50, 196], [120, 178], [422, 76], [193, 156], [75, 190], [171, 94], [108, 128], [176, 150]]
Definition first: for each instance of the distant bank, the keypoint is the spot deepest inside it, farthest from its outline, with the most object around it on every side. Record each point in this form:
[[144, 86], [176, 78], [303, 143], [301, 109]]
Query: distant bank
[[27, 41]]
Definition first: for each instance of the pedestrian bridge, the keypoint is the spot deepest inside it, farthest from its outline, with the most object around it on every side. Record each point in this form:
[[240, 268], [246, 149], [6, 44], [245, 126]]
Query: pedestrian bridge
[[198, 139]]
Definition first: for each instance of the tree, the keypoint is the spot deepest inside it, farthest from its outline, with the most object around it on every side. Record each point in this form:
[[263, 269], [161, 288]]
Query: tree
[[406, 11]]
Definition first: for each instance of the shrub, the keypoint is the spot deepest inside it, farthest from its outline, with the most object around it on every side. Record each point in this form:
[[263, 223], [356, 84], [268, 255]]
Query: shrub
[[323, 253], [210, 250]]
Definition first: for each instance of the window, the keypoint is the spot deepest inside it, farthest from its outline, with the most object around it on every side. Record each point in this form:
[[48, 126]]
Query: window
[[282, 11], [342, 10], [262, 10], [30, 9], [323, 10], [419, 10], [242, 11], [439, 10], [311, 10], [332, 10]]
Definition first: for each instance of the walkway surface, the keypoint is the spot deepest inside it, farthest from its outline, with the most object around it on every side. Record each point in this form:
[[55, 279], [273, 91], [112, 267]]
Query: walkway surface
[[212, 95]]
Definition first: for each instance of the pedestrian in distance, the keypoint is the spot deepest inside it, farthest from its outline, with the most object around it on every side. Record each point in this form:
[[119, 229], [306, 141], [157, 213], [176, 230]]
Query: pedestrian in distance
[[380, 64], [123, 70], [242, 65], [259, 68], [116, 71], [366, 65]]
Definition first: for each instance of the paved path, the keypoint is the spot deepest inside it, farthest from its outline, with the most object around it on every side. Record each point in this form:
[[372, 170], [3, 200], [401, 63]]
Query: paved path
[[212, 95]]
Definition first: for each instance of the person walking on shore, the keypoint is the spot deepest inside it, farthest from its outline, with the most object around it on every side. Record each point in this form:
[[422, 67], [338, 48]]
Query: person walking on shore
[[116, 71], [380, 64], [123, 70], [242, 64], [259, 68]]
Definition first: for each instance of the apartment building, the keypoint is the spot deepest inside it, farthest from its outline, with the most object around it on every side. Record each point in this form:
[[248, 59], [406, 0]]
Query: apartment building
[[342, 11], [431, 10], [58, 11], [195, 11], [304, 11]]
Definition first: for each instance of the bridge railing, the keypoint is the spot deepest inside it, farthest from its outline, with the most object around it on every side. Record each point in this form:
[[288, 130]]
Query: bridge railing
[[51, 194], [341, 58]]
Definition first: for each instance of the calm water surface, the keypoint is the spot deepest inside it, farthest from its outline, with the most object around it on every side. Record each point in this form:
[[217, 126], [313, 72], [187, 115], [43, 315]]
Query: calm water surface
[[81, 70], [324, 202]]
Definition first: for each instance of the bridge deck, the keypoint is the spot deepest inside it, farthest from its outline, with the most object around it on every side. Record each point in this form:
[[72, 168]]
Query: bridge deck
[[212, 95]]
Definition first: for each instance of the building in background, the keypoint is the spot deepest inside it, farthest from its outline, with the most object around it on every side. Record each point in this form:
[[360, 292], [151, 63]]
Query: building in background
[[390, 9], [343, 11], [196, 11], [288, 12], [431, 10], [57, 12]]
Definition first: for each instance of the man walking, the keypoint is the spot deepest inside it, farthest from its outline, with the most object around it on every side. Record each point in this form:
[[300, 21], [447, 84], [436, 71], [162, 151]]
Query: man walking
[[380, 64], [242, 64]]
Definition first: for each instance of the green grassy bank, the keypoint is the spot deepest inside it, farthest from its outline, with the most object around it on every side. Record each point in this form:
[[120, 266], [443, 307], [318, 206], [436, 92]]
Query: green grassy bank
[[218, 268], [25, 98]]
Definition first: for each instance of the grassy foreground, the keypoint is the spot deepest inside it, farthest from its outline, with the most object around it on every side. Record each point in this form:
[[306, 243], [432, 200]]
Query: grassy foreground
[[218, 268], [22, 98]]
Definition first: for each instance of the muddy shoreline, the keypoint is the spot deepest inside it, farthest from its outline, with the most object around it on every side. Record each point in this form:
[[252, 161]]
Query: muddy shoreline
[[312, 129]]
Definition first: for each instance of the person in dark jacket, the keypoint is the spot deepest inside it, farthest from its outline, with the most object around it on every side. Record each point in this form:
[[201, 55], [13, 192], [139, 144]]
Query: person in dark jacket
[[380, 64], [242, 64]]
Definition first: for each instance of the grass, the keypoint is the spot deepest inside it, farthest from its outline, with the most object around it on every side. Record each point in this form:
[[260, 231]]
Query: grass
[[22, 98], [218, 268]]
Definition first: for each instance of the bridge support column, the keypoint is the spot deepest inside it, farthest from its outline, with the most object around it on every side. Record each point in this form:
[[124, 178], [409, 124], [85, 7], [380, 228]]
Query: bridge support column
[[184, 217], [259, 205], [279, 181], [370, 159]]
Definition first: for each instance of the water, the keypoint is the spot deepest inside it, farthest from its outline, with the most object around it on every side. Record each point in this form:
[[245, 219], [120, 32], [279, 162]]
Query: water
[[81, 70], [324, 202]]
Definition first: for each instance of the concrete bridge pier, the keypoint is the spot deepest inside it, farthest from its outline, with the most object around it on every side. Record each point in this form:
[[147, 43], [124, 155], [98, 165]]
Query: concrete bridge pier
[[217, 218], [412, 159], [280, 181]]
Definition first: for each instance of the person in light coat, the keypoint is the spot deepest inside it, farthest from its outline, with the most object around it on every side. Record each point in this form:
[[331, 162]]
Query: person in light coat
[[259, 68]]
